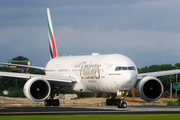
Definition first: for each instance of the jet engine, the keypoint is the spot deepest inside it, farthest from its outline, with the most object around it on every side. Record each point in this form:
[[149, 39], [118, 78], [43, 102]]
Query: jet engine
[[37, 89], [150, 88]]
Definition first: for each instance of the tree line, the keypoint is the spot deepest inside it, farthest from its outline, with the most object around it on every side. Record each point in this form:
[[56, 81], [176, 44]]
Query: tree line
[[15, 85]]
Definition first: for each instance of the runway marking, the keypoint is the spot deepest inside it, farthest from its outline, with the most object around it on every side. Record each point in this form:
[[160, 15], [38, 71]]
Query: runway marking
[[56, 112], [82, 110], [103, 108]]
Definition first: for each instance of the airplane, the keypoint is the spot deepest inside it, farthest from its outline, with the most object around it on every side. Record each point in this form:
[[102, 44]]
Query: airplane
[[96, 73]]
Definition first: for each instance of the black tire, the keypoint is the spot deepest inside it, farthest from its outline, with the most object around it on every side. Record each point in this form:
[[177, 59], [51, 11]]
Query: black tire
[[47, 103], [109, 102], [124, 105], [116, 102], [121, 105], [55, 102]]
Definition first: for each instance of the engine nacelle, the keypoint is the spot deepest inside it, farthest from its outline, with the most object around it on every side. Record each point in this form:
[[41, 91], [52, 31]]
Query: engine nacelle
[[37, 89], [150, 88]]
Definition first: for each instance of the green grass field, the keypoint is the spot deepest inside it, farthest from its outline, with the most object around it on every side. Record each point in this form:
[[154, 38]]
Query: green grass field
[[95, 117]]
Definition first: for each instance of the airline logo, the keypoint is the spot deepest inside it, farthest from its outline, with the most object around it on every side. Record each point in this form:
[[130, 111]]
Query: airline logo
[[88, 71], [52, 44]]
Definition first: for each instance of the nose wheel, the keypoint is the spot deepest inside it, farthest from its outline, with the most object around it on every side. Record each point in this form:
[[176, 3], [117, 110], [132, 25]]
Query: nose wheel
[[116, 102], [122, 105]]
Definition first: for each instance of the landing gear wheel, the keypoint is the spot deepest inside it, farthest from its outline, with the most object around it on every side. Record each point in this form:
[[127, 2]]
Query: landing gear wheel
[[119, 105], [47, 103], [109, 102], [122, 105], [54, 102]]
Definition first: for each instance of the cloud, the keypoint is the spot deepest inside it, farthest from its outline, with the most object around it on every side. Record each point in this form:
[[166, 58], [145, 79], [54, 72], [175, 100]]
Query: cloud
[[146, 31], [158, 4], [130, 43]]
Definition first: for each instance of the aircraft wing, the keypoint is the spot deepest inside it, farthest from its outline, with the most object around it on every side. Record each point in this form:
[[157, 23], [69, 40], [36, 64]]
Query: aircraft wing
[[41, 68], [59, 81], [159, 74]]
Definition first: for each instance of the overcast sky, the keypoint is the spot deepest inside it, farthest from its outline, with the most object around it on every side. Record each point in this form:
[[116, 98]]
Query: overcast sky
[[146, 31]]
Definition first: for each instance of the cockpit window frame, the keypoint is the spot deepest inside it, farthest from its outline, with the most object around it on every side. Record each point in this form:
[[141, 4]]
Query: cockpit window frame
[[124, 68], [118, 68]]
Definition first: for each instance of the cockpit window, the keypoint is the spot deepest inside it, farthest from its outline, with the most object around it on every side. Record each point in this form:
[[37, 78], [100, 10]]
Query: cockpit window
[[118, 68], [125, 68], [131, 68]]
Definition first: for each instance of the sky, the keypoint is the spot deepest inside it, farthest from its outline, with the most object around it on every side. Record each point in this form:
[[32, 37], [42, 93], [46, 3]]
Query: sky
[[146, 31]]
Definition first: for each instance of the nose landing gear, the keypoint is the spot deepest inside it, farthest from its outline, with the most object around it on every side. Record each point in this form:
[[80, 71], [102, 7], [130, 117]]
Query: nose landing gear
[[120, 103]]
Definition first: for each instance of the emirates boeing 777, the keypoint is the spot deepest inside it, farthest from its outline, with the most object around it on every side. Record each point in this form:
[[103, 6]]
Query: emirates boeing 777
[[113, 73]]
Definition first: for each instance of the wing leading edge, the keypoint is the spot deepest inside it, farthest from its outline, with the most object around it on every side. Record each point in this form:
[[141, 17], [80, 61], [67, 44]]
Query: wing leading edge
[[158, 74], [63, 81]]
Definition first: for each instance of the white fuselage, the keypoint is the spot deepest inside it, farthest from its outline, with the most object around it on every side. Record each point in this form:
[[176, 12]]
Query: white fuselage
[[95, 73]]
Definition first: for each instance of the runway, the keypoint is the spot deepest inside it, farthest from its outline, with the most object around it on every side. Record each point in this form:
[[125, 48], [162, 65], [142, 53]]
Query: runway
[[84, 110]]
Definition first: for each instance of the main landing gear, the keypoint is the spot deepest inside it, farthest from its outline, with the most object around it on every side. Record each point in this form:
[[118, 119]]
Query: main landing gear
[[116, 102], [51, 101]]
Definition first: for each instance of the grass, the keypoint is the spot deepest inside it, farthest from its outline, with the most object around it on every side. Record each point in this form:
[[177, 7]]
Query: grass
[[95, 117], [174, 103]]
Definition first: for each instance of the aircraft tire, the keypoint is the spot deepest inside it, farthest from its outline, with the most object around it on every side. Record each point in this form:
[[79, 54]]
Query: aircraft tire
[[109, 102], [122, 105], [47, 103], [55, 102]]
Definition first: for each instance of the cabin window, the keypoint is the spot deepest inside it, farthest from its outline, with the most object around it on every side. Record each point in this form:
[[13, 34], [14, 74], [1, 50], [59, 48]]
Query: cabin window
[[62, 70]]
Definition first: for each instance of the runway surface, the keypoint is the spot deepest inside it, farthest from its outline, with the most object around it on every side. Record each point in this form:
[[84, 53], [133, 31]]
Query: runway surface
[[84, 110]]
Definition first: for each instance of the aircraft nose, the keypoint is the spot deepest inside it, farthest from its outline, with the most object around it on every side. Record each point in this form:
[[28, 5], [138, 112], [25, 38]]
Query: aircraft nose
[[130, 77], [127, 81]]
